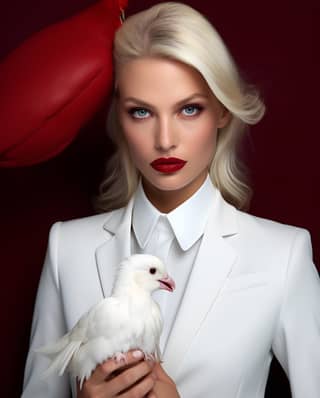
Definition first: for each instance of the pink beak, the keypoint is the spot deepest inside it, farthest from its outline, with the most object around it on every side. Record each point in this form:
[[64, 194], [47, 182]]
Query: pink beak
[[167, 283]]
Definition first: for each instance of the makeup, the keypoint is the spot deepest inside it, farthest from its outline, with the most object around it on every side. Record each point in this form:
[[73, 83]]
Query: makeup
[[168, 165]]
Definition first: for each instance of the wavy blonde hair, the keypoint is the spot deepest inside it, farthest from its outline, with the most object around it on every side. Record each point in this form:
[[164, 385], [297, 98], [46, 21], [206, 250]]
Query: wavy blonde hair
[[177, 31]]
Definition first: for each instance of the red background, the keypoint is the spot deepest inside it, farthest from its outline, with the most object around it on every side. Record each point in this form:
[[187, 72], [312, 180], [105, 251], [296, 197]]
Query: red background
[[274, 45]]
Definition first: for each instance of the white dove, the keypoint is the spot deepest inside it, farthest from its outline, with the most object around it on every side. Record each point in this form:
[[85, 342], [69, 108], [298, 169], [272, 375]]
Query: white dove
[[128, 319]]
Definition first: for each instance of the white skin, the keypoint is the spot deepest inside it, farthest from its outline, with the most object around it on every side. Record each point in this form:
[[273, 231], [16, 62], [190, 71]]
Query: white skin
[[166, 109]]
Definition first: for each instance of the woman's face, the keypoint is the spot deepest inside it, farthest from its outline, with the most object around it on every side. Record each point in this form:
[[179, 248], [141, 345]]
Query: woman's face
[[169, 118]]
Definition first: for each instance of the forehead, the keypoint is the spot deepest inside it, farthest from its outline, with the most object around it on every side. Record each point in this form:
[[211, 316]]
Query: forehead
[[155, 79]]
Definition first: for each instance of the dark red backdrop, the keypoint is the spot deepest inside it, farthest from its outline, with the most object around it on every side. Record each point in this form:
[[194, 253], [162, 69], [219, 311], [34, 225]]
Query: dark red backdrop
[[274, 45]]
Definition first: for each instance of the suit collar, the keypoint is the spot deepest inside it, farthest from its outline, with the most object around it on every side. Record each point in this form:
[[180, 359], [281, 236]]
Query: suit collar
[[224, 217], [119, 217], [115, 248]]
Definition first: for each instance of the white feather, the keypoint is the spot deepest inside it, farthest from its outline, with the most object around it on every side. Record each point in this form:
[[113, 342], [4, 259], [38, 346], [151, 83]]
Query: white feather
[[128, 319]]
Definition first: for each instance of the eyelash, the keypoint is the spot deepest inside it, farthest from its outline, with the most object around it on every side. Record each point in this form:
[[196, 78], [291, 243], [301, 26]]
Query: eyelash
[[132, 112], [199, 108]]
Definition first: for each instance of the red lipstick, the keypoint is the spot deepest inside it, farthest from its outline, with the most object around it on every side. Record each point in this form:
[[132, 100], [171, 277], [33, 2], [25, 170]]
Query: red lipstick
[[168, 165]]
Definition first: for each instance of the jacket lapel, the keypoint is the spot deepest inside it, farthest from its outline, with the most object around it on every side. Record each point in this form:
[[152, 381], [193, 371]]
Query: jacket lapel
[[116, 248], [212, 266]]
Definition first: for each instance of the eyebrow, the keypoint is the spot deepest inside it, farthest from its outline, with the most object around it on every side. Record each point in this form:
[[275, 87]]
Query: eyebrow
[[179, 103]]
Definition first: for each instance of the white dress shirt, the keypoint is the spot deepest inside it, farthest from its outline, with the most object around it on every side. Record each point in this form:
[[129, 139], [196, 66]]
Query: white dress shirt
[[175, 238]]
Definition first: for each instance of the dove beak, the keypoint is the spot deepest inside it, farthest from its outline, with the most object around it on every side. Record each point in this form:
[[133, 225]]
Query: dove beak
[[167, 283]]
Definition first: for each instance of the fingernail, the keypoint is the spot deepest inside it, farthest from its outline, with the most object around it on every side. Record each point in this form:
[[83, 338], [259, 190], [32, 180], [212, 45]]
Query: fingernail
[[137, 354]]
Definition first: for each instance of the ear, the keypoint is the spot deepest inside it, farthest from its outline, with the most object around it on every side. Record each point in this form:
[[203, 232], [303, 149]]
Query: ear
[[225, 117]]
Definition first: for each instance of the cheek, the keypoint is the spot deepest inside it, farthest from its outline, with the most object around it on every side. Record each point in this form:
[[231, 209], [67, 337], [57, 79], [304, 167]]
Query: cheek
[[137, 144], [203, 141]]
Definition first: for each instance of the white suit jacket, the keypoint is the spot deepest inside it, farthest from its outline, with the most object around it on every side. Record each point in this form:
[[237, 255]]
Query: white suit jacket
[[253, 292]]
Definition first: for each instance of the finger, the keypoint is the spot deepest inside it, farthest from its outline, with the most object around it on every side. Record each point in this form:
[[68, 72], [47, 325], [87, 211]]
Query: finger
[[141, 389], [107, 368], [138, 375], [161, 374]]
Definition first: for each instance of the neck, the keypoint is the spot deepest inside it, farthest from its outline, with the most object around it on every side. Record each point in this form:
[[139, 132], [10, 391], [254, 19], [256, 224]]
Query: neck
[[125, 287], [168, 200]]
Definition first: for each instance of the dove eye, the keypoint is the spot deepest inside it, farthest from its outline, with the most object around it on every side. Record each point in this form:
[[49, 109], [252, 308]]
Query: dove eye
[[152, 271]]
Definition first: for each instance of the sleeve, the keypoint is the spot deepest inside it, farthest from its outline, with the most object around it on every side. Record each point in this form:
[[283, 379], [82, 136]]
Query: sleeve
[[47, 326], [297, 339]]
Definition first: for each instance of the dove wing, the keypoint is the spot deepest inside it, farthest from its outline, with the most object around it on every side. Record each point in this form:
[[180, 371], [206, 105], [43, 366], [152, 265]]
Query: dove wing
[[108, 317]]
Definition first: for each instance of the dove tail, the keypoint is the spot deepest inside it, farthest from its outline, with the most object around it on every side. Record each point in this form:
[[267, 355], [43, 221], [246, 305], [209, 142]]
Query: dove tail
[[60, 354]]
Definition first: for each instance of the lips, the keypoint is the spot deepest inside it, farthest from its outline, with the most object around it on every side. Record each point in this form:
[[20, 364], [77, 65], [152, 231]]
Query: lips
[[168, 165]]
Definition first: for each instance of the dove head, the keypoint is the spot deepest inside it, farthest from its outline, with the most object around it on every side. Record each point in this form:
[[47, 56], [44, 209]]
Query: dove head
[[143, 272]]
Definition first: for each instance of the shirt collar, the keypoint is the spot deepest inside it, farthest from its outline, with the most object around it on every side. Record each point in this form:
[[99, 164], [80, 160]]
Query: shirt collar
[[187, 221], [144, 217]]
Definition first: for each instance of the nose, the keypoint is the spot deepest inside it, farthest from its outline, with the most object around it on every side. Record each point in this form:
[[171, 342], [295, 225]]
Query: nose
[[166, 137]]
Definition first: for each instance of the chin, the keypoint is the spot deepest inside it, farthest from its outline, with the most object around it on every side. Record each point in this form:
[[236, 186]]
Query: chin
[[171, 183]]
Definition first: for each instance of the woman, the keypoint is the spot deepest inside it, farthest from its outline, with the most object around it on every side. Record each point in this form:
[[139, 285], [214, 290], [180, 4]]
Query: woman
[[246, 287]]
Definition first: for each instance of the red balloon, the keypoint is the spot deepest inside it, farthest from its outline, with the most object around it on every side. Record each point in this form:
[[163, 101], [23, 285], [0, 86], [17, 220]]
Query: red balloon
[[54, 82]]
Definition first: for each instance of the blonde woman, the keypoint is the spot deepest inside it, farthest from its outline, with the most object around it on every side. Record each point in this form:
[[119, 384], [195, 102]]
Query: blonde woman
[[246, 287]]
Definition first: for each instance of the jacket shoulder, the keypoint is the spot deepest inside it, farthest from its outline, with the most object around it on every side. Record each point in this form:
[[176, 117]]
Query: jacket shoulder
[[271, 229], [270, 241]]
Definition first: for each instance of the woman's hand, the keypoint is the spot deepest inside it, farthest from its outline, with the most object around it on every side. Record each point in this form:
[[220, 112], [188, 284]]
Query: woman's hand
[[135, 379], [164, 386]]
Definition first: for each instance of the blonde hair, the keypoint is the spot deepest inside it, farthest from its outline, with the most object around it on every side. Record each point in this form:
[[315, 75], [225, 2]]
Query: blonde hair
[[177, 31]]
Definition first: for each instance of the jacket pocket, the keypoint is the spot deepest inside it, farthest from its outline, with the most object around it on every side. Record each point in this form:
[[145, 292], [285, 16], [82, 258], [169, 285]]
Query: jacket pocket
[[246, 281]]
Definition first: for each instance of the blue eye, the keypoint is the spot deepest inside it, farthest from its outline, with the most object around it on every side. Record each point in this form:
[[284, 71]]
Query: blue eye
[[191, 110], [139, 113]]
